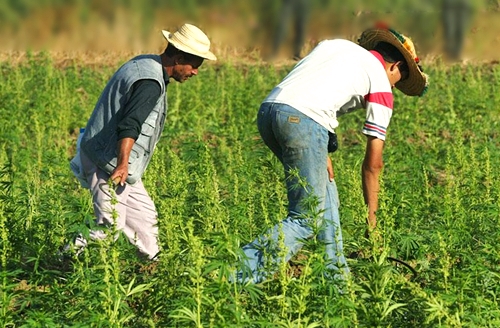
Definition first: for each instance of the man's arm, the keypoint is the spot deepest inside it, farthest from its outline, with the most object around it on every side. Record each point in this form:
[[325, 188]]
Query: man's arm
[[144, 95], [372, 165], [143, 98], [120, 173]]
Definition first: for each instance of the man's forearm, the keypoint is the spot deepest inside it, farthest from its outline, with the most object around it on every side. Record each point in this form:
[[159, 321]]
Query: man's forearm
[[372, 166], [120, 174], [124, 149], [371, 189]]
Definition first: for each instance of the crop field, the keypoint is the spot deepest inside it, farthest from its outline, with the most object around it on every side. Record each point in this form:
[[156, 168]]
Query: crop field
[[216, 187]]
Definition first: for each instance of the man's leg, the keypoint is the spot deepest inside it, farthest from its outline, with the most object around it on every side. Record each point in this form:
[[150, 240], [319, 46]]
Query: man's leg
[[101, 198], [135, 212], [292, 231], [304, 143], [312, 164], [331, 234], [301, 144], [141, 223]]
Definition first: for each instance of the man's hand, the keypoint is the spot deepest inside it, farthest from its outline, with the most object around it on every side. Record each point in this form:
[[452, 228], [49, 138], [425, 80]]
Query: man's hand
[[120, 174], [329, 167]]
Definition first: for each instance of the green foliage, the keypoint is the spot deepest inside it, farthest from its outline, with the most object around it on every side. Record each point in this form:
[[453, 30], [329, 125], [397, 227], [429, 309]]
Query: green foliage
[[216, 187]]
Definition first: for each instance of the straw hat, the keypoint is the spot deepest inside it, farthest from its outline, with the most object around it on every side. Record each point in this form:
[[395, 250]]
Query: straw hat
[[190, 39], [417, 82]]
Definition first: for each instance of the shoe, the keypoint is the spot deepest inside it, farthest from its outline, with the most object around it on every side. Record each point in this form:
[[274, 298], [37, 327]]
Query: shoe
[[76, 247]]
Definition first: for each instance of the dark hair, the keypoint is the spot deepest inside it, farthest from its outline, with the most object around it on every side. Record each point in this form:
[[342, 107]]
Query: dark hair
[[172, 51], [392, 55], [389, 52]]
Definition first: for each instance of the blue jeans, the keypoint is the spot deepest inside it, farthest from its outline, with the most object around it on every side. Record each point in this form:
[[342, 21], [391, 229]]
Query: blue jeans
[[300, 144]]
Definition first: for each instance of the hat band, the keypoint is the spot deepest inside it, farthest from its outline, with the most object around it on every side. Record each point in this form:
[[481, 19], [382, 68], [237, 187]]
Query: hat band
[[402, 39]]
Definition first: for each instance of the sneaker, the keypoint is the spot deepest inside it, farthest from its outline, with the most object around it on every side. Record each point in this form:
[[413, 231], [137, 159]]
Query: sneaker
[[76, 247]]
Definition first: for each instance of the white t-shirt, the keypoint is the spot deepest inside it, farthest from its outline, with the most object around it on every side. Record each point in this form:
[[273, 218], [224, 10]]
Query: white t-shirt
[[337, 77]]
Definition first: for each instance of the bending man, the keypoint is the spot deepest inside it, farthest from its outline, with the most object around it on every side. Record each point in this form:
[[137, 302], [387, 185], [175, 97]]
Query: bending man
[[297, 121]]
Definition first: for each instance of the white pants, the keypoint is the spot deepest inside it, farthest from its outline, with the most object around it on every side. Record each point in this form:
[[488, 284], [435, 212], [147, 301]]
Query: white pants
[[137, 216]]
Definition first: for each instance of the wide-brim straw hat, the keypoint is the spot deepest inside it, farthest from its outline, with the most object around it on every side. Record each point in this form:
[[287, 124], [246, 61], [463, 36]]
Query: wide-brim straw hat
[[192, 40], [417, 81]]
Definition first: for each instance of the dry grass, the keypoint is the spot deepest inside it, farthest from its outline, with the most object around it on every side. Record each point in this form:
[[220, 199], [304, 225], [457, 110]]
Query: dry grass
[[102, 39]]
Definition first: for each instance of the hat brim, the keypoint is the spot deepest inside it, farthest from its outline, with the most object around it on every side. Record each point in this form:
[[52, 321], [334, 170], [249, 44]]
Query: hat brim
[[207, 55], [416, 83]]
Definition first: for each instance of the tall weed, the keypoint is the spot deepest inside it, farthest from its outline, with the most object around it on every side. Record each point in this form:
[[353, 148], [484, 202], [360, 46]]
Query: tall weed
[[216, 187]]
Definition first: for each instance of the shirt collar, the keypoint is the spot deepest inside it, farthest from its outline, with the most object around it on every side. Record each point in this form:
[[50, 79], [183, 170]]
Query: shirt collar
[[379, 57], [165, 76]]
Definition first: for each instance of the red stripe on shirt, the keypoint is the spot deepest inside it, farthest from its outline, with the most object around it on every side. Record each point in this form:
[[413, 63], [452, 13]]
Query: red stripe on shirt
[[382, 98], [376, 128], [379, 57]]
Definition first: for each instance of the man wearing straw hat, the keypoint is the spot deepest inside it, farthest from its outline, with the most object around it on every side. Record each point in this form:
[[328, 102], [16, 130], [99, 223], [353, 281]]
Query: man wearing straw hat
[[297, 121], [122, 133]]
